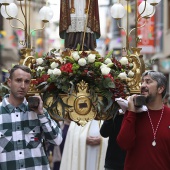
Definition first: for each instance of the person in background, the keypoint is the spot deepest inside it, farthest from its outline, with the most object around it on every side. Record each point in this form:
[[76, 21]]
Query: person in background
[[168, 103], [84, 148], [146, 135], [55, 152], [166, 100], [23, 129], [115, 156]]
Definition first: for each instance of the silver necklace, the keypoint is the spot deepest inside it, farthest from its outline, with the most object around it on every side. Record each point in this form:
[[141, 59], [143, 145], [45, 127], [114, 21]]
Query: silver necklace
[[155, 130]]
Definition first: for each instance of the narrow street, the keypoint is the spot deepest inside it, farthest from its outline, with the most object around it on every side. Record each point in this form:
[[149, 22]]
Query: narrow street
[[8, 58]]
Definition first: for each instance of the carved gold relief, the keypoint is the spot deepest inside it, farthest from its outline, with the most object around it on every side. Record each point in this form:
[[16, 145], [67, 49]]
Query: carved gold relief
[[79, 110], [56, 111], [82, 105], [32, 90], [82, 110], [138, 68], [25, 57]]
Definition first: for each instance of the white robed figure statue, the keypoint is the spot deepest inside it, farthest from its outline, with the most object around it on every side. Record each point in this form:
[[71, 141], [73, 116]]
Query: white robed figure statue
[[77, 154]]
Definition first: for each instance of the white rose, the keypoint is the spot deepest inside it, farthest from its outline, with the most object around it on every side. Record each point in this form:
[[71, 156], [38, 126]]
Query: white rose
[[75, 55], [107, 61], [39, 61], [54, 65], [103, 66], [40, 68], [91, 58], [105, 70], [122, 75], [131, 74], [82, 62], [60, 59], [50, 71], [123, 61], [56, 53], [57, 72]]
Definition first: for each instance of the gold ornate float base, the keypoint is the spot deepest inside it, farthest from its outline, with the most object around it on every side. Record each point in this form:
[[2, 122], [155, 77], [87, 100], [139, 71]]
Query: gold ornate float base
[[79, 106], [82, 109]]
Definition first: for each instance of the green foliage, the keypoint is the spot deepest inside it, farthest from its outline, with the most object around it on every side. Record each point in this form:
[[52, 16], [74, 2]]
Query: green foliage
[[107, 83], [66, 72], [4, 89]]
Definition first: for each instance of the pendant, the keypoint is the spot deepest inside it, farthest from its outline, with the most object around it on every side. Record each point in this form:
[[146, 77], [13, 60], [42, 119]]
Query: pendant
[[154, 143]]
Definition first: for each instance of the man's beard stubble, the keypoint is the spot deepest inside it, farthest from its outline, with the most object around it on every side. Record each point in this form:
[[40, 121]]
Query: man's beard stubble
[[149, 97]]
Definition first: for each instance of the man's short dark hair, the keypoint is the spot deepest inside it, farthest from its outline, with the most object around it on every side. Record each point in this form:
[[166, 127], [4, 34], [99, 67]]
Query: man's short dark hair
[[16, 67]]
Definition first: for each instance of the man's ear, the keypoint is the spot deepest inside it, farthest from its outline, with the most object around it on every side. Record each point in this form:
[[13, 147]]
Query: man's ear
[[161, 89], [9, 82]]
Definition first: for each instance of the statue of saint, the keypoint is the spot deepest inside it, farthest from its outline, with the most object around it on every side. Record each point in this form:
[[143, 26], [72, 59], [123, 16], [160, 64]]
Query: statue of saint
[[79, 23]]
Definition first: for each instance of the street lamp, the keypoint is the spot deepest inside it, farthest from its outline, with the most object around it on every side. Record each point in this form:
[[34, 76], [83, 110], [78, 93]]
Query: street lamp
[[9, 10], [146, 10]]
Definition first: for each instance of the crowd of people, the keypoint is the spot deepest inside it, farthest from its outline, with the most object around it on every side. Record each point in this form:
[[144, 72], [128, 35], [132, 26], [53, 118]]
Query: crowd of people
[[132, 141], [30, 139]]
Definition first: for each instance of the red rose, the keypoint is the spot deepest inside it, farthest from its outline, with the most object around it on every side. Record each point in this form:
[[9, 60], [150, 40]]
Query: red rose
[[45, 77], [109, 76], [67, 68], [51, 87], [35, 82]]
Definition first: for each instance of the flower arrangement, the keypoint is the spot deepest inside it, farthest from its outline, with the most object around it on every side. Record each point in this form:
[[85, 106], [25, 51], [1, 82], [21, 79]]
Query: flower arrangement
[[58, 73]]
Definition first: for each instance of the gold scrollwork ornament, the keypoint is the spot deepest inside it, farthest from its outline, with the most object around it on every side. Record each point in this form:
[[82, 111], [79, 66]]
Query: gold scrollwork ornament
[[82, 109], [138, 68]]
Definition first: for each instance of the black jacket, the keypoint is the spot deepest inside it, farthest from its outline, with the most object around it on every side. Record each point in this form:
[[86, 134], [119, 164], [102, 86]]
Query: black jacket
[[115, 156]]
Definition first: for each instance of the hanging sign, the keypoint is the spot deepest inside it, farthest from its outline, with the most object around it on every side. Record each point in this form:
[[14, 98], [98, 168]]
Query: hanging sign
[[146, 34]]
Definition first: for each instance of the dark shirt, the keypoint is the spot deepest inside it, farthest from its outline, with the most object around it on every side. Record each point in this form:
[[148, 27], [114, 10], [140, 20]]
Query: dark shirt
[[115, 156]]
